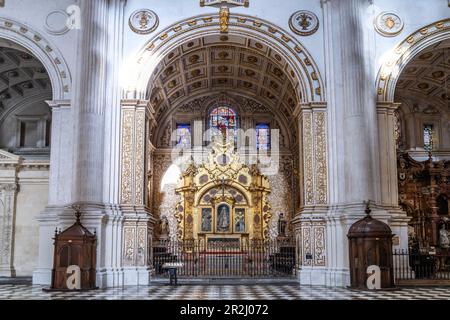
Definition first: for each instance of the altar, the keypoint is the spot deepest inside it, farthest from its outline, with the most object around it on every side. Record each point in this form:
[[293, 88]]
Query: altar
[[223, 200]]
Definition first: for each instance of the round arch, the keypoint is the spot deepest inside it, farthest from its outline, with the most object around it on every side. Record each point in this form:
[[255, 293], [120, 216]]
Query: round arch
[[44, 51], [210, 185], [403, 53], [20, 104], [300, 61]]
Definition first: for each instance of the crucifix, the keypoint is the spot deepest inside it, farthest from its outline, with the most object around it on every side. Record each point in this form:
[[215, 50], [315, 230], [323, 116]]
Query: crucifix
[[224, 14], [223, 187]]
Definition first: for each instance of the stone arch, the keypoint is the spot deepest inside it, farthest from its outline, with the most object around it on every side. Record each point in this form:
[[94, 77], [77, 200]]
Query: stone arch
[[301, 62], [44, 51], [18, 106], [399, 57]]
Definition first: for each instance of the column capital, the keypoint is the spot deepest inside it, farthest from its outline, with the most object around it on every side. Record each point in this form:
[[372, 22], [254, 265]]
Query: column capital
[[311, 106], [141, 104], [134, 103], [59, 104], [388, 105], [9, 187]]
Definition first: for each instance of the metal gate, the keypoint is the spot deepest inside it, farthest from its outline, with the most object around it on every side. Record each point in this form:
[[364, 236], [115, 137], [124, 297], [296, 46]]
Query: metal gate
[[226, 259], [421, 266]]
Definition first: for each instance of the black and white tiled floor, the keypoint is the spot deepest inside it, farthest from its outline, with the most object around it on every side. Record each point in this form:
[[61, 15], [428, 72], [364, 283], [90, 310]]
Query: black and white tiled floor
[[224, 292]]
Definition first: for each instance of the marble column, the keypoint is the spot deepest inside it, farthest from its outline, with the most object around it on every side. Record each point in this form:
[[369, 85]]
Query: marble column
[[352, 129], [85, 165], [112, 273]]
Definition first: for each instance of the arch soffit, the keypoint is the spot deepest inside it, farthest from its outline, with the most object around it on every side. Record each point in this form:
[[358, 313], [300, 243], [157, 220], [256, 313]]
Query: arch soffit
[[21, 104], [404, 52], [303, 66], [44, 51]]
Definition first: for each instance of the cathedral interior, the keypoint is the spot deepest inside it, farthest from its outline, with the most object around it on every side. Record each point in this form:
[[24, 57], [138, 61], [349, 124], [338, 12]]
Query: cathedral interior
[[229, 140]]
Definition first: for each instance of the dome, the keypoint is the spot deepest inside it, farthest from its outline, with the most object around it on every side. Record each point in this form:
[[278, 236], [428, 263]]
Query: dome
[[368, 227]]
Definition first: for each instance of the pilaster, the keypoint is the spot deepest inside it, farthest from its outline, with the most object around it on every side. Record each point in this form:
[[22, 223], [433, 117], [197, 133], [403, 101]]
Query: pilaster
[[8, 196], [138, 221]]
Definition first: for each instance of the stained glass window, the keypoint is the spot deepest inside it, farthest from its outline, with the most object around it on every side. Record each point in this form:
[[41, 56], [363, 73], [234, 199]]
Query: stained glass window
[[428, 137], [183, 136], [223, 120], [263, 136]]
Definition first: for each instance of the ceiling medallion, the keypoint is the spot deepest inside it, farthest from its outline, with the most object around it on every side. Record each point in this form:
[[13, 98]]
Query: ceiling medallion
[[388, 24], [56, 22], [304, 23], [144, 21]]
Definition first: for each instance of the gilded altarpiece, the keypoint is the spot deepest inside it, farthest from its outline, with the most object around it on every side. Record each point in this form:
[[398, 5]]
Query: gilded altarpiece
[[424, 193], [223, 198]]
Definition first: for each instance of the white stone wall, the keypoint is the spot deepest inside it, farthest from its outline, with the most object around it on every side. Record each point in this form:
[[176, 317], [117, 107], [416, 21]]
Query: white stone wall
[[23, 195], [32, 198]]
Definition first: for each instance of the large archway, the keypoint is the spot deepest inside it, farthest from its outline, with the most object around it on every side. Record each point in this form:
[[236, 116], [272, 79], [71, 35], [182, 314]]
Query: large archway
[[302, 65], [412, 93], [260, 72], [33, 73]]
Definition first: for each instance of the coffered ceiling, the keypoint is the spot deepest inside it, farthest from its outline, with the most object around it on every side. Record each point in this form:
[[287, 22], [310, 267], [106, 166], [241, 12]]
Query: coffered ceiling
[[427, 77], [225, 64], [21, 76]]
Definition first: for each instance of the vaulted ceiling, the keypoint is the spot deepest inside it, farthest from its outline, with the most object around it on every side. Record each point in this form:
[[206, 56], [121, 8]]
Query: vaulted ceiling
[[22, 76], [426, 79], [224, 64]]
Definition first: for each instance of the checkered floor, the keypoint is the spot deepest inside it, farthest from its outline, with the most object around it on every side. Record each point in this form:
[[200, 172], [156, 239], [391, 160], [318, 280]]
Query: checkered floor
[[224, 292]]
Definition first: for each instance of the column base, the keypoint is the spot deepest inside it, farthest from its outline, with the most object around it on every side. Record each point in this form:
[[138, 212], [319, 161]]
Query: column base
[[337, 278], [110, 278], [321, 276], [137, 276], [42, 276], [7, 272], [312, 276]]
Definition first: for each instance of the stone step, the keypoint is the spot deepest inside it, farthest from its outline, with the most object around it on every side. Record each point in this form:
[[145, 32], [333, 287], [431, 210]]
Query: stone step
[[16, 280]]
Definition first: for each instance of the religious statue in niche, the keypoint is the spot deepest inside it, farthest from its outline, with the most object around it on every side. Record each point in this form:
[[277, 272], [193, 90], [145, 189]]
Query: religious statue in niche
[[164, 227], [223, 218], [443, 237], [281, 226], [239, 225], [206, 220]]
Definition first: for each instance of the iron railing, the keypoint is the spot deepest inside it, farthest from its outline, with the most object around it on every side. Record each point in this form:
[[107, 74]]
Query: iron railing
[[226, 259], [421, 266]]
